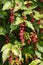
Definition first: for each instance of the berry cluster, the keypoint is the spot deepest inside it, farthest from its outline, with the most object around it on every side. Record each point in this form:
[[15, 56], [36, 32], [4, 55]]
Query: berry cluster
[[21, 33], [11, 15], [34, 37]]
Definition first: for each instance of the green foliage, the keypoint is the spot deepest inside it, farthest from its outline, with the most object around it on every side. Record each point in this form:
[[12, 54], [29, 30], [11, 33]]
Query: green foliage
[[6, 54], [29, 24], [7, 5], [38, 54], [35, 62], [3, 31], [40, 48], [13, 15]]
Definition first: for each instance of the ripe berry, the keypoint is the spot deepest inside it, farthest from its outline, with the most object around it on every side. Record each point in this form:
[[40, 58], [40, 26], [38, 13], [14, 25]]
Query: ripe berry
[[22, 25], [29, 42], [34, 40], [32, 20], [7, 39], [39, 22], [34, 37]]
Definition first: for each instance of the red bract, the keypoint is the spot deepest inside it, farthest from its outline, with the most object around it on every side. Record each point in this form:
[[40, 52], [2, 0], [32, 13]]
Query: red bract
[[34, 40], [32, 20], [7, 39], [34, 37], [39, 22], [29, 42]]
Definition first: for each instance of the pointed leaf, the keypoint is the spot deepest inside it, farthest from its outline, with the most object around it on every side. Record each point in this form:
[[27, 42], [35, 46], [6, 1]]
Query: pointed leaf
[[7, 5], [15, 50], [3, 31], [40, 48], [38, 54], [6, 46], [29, 24], [35, 62], [5, 54]]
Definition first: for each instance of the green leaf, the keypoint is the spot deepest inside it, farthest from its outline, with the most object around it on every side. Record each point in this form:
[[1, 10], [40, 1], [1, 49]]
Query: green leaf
[[41, 26], [7, 5], [18, 20], [13, 27], [40, 48], [38, 54], [41, 16], [17, 8], [33, 6], [28, 49], [17, 43], [20, 3], [35, 62], [5, 54], [37, 15], [3, 31], [28, 55], [41, 63], [6, 46], [27, 12], [29, 24], [15, 50], [4, 1]]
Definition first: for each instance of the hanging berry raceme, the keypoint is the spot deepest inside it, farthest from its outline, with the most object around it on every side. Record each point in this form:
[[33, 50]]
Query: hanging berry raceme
[[11, 19], [21, 33]]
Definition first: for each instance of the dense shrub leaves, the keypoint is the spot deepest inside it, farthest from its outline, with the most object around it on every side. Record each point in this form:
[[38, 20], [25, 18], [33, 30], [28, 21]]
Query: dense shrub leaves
[[21, 24]]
